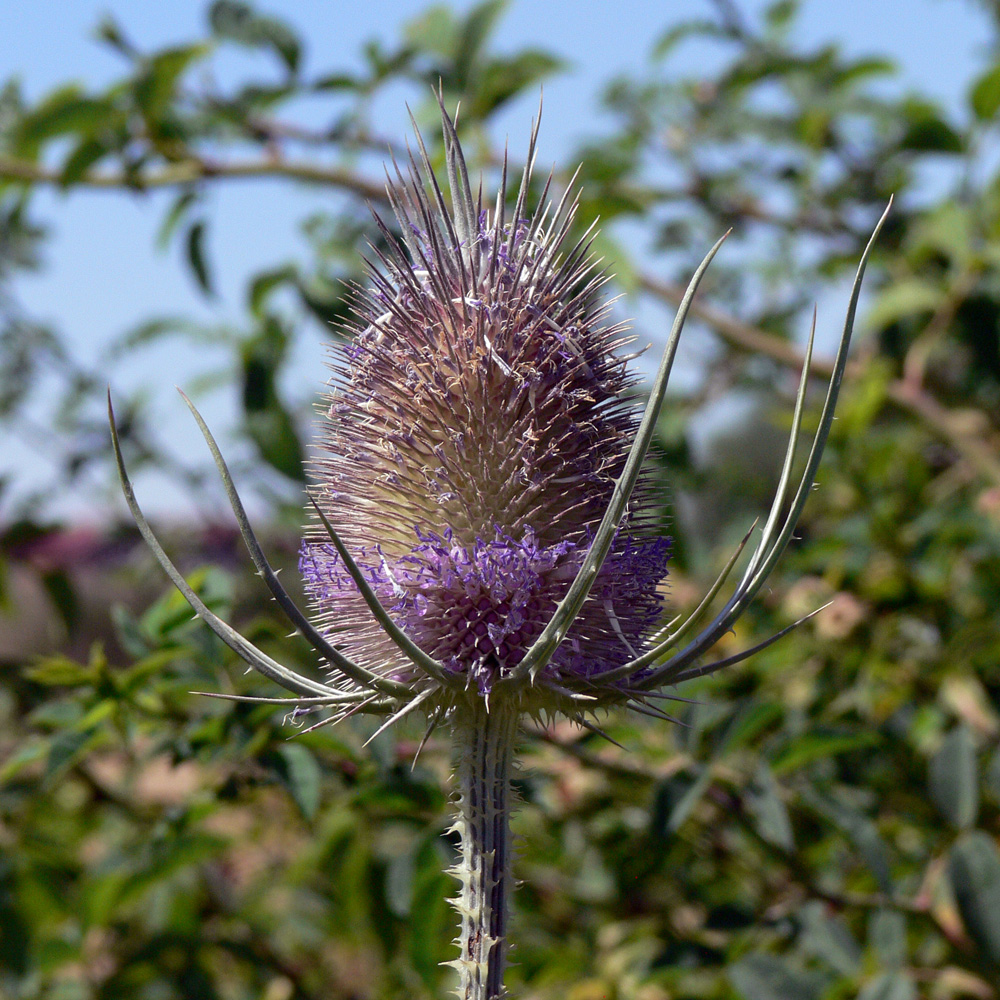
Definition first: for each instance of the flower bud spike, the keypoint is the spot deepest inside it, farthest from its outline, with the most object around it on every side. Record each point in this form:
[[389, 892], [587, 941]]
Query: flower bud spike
[[466, 225], [529, 166], [443, 216]]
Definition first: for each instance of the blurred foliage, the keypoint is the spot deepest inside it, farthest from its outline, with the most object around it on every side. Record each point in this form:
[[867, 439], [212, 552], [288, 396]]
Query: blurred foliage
[[823, 825]]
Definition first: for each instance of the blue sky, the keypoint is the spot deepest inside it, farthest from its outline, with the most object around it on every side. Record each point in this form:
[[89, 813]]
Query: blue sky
[[103, 274]]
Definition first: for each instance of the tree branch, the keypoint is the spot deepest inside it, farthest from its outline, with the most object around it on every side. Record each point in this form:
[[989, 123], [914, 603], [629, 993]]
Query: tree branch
[[191, 170]]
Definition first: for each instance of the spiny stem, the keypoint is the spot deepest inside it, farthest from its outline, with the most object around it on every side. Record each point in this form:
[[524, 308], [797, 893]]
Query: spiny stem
[[484, 742]]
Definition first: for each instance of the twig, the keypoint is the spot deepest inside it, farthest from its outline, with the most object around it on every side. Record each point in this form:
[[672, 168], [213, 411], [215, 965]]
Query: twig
[[194, 169]]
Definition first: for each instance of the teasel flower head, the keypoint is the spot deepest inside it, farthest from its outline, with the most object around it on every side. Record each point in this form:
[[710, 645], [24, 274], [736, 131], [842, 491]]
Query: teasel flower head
[[476, 425], [483, 543]]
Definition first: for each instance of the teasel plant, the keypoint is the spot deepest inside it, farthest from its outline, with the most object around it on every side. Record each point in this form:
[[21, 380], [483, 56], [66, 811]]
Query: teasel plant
[[482, 546]]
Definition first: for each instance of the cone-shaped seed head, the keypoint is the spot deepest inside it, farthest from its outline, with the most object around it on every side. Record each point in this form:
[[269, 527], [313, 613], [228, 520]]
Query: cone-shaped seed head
[[475, 429]]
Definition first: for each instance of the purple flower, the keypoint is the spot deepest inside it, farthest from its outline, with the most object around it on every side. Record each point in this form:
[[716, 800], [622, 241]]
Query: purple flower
[[479, 609]]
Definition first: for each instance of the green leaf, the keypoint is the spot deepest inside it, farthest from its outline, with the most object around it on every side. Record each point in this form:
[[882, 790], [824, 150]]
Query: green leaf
[[136, 678], [23, 758], [60, 591], [780, 14], [337, 81], [984, 98], [274, 433], [675, 800], [174, 217], [436, 31], [64, 111], [170, 617], [768, 809], [827, 938], [263, 284], [926, 131], [18, 930], [196, 256], [503, 79], [161, 328], [433, 930], [84, 155], [268, 424], [165, 857], [110, 32], [671, 38], [992, 779], [767, 977], [127, 631], [326, 301], [818, 745], [238, 22], [954, 779], [903, 299], [974, 870], [751, 719], [66, 748], [472, 36], [887, 937], [157, 84], [62, 671], [620, 262], [889, 986], [302, 776], [860, 829]]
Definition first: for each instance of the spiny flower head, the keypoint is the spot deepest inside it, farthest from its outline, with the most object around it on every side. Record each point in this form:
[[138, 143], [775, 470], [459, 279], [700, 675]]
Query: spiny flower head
[[476, 426], [483, 528]]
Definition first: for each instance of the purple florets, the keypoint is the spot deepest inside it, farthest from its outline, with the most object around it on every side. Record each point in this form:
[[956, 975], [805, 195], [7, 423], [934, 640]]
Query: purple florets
[[478, 610]]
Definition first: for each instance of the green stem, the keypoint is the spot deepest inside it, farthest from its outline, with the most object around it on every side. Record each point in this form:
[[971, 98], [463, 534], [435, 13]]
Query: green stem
[[484, 743]]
